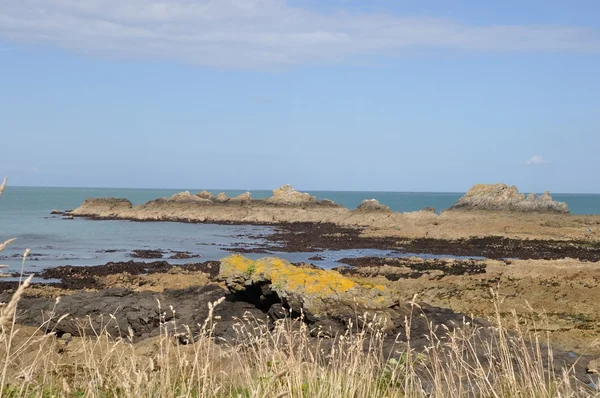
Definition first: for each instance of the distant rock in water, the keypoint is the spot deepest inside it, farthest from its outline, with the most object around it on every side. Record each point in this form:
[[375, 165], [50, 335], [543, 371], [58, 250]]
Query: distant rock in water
[[187, 196], [372, 205], [245, 197], [102, 207], [205, 195], [501, 197], [222, 198], [327, 202], [108, 203], [288, 195]]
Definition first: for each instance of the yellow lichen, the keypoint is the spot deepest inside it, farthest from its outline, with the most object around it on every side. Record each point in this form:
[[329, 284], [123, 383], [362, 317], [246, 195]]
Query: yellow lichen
[[282, 274]]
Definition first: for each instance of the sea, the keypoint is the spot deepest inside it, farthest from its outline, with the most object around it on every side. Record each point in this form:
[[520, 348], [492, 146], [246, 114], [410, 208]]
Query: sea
[[54, 241]]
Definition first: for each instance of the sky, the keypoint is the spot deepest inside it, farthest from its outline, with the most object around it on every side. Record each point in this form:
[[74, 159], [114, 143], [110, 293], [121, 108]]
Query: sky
[[382, 95]]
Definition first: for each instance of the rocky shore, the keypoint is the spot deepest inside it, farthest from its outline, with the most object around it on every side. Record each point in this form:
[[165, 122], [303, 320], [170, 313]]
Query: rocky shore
[[558, 297], [268, 289], [317, 237], [485, 211], [142, 299], [528, 264]]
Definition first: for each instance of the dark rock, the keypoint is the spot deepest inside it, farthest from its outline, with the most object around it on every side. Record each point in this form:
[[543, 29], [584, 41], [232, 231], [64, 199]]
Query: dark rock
[[150, 254], [183, 255], [372, 205], [135, 311], [85, 277]]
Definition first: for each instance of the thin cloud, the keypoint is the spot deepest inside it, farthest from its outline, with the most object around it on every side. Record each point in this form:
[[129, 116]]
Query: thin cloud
[[537, 160], [262, 33]]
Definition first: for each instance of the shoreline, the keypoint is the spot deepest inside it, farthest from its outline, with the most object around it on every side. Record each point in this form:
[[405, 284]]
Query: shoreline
[[447, 287], [485, 211]]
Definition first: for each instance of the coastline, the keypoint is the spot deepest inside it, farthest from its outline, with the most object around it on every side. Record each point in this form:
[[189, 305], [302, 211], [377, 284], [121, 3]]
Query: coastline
[[547, 259]]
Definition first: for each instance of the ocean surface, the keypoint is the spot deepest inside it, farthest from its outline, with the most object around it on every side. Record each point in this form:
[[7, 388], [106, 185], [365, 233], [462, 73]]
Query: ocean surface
[[54, 241]]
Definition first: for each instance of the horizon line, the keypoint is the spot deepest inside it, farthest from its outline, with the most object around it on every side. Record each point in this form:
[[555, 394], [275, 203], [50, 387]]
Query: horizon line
[[258, 189]]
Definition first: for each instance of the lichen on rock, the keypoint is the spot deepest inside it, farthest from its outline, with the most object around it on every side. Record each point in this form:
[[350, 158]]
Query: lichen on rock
[[318, 294]]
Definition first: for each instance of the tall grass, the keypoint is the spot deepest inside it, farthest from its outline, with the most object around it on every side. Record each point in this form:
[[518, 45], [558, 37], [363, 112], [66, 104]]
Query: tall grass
[[280, 360]]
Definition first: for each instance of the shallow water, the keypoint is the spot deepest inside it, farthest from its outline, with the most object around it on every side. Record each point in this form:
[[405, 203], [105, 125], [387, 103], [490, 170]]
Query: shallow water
[[24, 214]]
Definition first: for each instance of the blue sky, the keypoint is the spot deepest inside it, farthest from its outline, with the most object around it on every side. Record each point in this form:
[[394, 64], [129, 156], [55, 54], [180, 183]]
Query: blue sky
[[331, 95]]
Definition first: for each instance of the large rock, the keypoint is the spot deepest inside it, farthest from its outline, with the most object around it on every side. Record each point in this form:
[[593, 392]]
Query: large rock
[[288, 195], [222, 198], [205, 195], [501, 197], [243, 198], [141, 312], [321, 296], [102, 206], [186, 196], [372, 205]]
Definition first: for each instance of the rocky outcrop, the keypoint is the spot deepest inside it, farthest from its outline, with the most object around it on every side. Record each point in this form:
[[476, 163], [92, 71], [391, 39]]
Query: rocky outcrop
[[102, 207], [265, 290], [501, 197], [205, 195], [222, 198], [373, 218], [372, 205], [88, 312], [288, 195], [243, 198], [186, 196], [326, 202], [319, 295]]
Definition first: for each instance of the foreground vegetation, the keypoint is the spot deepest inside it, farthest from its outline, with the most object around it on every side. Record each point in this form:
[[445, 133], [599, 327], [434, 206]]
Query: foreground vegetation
[[282, 362]]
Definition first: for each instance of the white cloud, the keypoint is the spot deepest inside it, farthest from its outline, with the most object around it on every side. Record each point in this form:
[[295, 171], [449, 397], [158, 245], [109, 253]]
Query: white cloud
[[537, 160], [259, 33]]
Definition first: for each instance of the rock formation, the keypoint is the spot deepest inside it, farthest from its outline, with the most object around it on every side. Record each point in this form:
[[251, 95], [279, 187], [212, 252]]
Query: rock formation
[[501, 197], [326, 202], [89, 311], [288, 195], [268, 290], [288, 206], [205, 195], [372, 205], [222, 198], [319, 295], [187, 196], [245, 197], [104, 207]]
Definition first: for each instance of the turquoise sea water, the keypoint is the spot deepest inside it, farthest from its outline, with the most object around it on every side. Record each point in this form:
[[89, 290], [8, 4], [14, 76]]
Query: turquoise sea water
[[25, 214]]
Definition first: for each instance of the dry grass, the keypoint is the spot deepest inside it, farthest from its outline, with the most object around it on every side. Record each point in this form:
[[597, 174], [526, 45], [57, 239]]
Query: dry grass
[[2, 186], [284, 362]]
